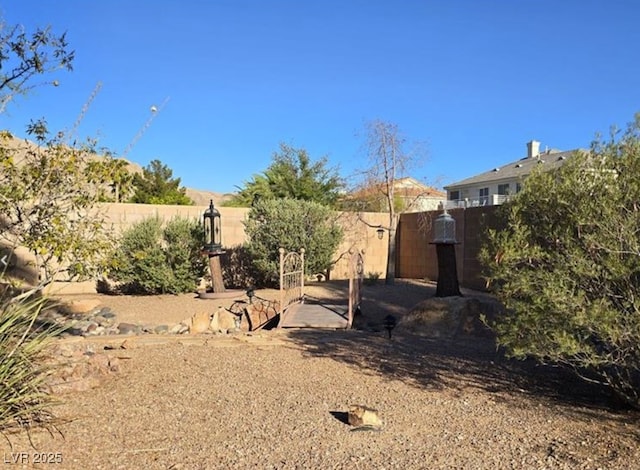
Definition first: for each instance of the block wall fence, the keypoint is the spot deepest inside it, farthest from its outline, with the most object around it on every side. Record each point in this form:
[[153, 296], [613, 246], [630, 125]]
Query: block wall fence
[[416, 255], [358, 231]]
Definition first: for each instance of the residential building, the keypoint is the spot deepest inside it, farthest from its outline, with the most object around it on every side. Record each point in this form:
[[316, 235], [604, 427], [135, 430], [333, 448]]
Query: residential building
[[410, 196], [494, 187]]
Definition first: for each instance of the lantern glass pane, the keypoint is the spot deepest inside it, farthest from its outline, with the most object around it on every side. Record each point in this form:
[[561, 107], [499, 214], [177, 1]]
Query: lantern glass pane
[[216, 230], [207, 231], [445, 229]]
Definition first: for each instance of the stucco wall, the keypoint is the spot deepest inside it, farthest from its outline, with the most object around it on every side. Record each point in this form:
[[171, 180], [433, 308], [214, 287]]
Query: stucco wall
[[360, 233], [416, 256]]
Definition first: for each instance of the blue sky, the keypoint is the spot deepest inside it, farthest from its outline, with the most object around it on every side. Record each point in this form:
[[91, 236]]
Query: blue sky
[[473, 79]]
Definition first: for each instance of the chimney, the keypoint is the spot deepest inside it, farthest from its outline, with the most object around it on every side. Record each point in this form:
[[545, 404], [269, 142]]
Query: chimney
[[533, 149]]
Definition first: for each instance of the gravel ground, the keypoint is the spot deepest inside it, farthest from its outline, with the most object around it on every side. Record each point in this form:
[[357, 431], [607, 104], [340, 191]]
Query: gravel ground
[[279, 400]]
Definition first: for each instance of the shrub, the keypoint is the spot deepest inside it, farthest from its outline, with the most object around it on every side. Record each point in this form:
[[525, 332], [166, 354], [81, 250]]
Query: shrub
[[567, 266], [153, 259], [24, 397], [291, 224], [372, 278]]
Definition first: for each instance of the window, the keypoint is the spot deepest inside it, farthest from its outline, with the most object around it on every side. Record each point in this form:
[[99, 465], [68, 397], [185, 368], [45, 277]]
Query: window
[[518, 187], [503, 189], [454, 195], [483, 196]]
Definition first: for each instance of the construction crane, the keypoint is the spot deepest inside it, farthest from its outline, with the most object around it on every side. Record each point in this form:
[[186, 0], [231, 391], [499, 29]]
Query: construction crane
[[155, 110]]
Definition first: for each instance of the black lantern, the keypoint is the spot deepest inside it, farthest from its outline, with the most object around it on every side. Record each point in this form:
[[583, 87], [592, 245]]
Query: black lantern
[[380, 232], [212, 230]]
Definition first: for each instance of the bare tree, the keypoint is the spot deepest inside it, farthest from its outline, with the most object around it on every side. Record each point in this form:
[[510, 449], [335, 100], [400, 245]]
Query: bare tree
[[389, 160]]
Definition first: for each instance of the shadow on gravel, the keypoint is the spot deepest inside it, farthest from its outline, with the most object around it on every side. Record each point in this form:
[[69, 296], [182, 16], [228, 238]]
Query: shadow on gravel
[[453, 364], [341, 416]]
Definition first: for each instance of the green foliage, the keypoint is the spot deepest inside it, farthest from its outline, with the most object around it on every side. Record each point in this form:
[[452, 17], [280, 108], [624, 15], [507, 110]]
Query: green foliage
[[47, 201], [291, 224], [292, 175], [567, 266], [156, 185], [372, 278], [24, 396], [152, 259], [24, 56], [115, 182], [372, 200]]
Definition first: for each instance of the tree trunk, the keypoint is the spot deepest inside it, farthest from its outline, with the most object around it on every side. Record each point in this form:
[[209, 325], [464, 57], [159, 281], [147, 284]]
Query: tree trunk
[[390, 276], [216, 274], [447, 272]]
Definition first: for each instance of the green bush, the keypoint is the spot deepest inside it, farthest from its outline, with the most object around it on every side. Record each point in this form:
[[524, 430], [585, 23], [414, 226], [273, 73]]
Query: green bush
[[290, 224], [24, 397], [153, 259], [567, 266]]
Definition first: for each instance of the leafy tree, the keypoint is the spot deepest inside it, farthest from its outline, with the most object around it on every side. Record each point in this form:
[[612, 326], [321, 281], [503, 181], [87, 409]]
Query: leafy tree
[[291, 224], [156, 185], [23, 56], [567, 266], [389, 160], [47, 204], [292, 174], [116, 176], [156, 259]]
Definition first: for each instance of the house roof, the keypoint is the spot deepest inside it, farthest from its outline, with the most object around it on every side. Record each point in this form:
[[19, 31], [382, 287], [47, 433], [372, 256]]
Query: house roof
[[404, 187], [549, 159], [411, 187]]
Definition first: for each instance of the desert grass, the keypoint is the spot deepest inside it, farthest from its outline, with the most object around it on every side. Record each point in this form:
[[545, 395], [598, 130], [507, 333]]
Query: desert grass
[[25, 399]]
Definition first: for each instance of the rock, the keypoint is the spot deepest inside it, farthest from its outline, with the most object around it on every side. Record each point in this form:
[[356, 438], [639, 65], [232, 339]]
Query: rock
[[100, 330], [106, 312], [362, 416], [260, 312], [100, 320], [161, 329], [199, 323], [223, 321], [81, 306], [128, 328], [449, 317], [175, 329]]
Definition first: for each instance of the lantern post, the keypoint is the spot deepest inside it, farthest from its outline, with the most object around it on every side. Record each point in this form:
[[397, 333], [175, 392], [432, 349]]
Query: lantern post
[[445, 241], [213, 246]]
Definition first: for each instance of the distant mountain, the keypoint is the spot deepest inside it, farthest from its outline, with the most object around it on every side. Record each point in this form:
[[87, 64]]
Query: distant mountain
[[202, 198], [199, 197]]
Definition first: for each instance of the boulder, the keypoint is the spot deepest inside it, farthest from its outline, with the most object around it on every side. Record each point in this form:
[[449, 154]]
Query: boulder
[[223, 321], [199, 323], [260, 312], [449, 317]]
